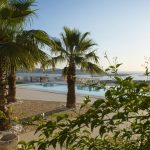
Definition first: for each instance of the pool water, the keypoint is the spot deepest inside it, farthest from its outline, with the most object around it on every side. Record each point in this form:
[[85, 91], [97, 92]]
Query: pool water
[[62, 88]]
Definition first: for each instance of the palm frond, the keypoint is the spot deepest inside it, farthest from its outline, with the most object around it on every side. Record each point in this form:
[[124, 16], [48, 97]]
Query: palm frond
[[72, 38], [22, 5], [78, 59], [64, 41], [86, 45], [56, 46], [59, 59], [84, 37], [91, 68], [48, 63], [24, 50], [15, 13], [37, 37], [64, 72], [3, 3], [92, 56], [76, 48], [14, 54]]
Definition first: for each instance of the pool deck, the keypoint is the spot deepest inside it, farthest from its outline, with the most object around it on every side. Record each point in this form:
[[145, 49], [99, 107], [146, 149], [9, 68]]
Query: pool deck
[[33, 94]]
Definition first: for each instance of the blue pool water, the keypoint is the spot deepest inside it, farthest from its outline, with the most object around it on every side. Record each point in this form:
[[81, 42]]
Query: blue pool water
[[62, 88]]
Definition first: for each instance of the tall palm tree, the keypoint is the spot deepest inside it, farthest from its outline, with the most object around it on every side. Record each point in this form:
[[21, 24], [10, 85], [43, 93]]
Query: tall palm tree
[[76, 50], [20, 43], [26, 54], [13, 52], [12, 17]]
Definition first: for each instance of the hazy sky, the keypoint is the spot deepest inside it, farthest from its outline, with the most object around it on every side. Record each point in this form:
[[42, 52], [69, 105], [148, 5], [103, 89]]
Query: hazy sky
[[119, 27]]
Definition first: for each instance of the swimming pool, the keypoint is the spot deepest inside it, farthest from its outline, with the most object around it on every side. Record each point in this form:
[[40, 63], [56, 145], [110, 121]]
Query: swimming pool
[[62, 88]]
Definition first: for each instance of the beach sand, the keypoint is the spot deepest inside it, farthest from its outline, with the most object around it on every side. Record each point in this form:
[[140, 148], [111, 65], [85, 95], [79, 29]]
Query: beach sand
[[27, 108]]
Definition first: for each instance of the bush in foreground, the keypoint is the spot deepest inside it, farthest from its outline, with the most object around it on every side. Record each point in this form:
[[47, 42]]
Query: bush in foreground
[[121, 121]]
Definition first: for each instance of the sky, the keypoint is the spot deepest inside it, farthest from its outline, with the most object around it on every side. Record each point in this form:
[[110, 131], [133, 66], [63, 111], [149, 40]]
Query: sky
[[119, 27]]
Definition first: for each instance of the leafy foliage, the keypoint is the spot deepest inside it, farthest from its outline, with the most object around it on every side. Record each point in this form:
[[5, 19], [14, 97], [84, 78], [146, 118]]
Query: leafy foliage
[[15, 13], [120, 121]]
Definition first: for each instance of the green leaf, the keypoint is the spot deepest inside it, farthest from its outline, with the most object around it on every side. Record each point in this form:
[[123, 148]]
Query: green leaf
[[53, 142], [118, 65], [102, 130]]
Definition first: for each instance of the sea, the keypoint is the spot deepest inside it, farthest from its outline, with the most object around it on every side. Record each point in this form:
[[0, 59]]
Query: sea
[[137, 76]]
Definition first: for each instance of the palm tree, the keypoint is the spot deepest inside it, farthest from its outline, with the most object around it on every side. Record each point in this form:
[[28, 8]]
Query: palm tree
[[15, 50], [12, 17], [27, 53], [19, 44], [76, 50]]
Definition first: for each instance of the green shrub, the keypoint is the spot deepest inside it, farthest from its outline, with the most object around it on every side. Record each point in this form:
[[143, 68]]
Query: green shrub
[[120, 121]]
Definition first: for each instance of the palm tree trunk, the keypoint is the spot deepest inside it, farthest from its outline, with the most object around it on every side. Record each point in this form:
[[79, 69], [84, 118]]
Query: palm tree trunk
[[2, 80], [71, 98], [12, 85], [4, 122]]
